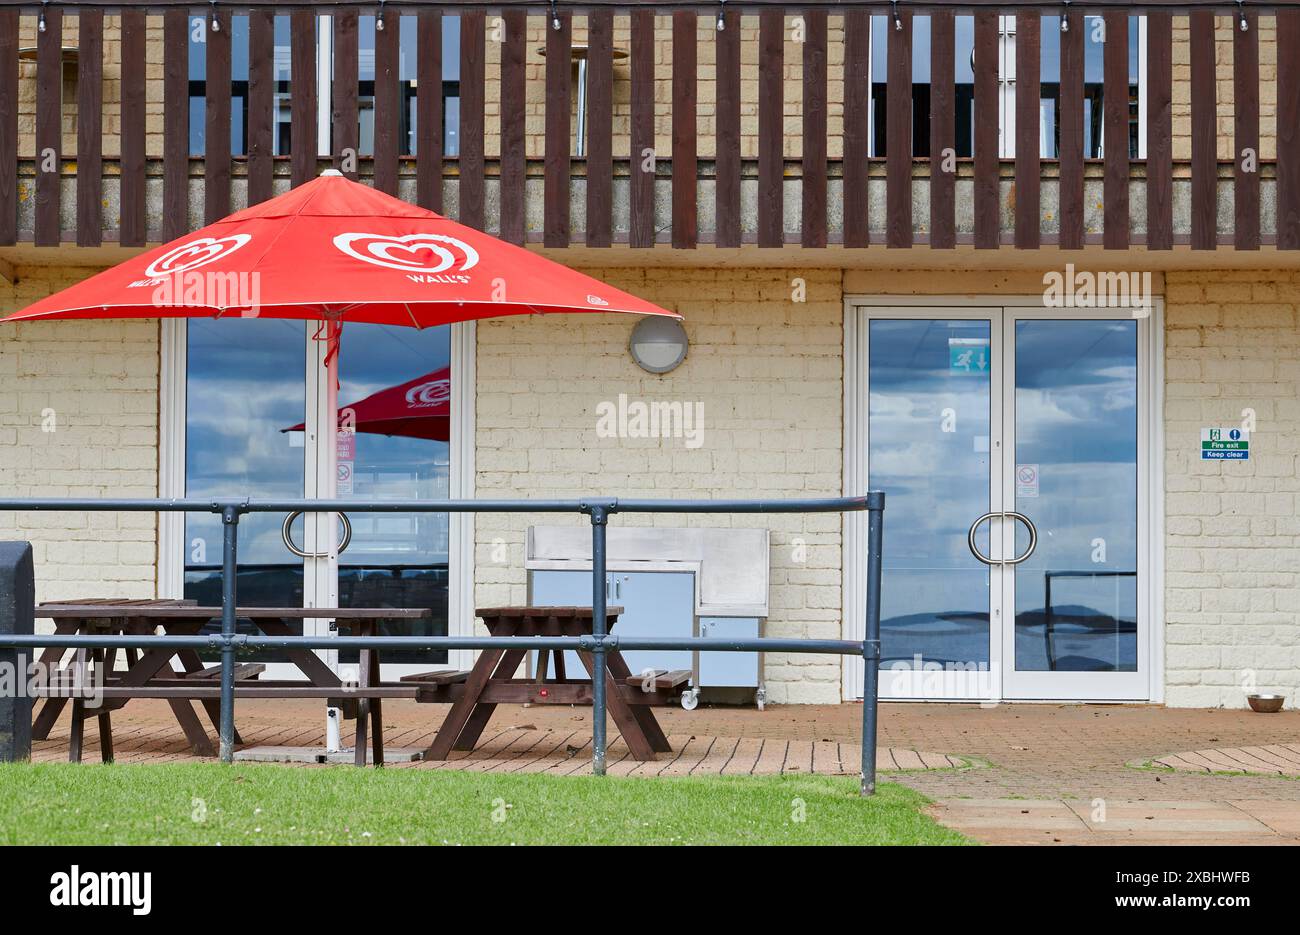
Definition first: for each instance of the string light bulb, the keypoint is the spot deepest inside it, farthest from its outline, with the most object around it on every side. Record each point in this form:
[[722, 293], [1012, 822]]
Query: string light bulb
[[1065, 17], [555, 17], [1241, 14], [722, 24], [40, 23], [216, 23], [379, 18], [898, 20]]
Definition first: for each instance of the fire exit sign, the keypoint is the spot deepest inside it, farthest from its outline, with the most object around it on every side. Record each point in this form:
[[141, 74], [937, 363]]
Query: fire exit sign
[[1225, 444]]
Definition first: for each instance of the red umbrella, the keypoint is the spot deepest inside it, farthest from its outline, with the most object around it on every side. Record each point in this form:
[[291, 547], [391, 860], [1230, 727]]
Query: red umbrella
[[339, 250], [419, 408]]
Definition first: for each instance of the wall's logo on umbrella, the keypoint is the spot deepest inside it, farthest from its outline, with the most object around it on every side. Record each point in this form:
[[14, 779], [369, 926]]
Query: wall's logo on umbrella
[[194, 254], [414, 253], [433, 393]]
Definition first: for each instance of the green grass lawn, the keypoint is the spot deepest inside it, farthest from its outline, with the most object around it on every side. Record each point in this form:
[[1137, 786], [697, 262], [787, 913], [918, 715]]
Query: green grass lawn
[[207, 803]]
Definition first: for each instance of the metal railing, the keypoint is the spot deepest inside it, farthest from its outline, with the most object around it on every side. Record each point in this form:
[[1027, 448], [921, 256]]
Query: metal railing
[[600, 642]]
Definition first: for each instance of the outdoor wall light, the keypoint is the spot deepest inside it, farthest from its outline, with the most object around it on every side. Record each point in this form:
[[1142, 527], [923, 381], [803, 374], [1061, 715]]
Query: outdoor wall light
[[658, 345]]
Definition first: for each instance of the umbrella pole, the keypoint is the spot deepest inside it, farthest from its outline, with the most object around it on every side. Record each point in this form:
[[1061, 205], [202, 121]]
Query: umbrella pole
[[329, 443]]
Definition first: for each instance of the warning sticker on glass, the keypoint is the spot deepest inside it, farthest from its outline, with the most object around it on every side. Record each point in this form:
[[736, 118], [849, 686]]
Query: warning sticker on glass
[[1026, 480]]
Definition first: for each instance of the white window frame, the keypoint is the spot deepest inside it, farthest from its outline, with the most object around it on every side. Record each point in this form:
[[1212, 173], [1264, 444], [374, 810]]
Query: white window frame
[[171, 477], [857, 482]]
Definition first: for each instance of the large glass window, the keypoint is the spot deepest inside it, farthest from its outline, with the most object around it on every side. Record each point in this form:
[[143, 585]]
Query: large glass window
[[1050, 106], [243, 386], [246, 414], [408, 88]]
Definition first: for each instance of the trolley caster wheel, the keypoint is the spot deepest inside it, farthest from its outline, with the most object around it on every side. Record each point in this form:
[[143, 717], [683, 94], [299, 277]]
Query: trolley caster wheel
[[691, 699]]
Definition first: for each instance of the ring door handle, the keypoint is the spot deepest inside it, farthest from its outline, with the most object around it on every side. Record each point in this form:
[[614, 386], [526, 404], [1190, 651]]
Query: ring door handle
[[1033, 536], [970, 539], [286, 535]]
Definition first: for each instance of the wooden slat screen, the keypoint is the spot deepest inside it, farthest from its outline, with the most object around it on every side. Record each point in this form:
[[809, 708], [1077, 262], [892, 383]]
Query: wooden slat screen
[[559, 153], [685, 154], [8, 126], [898, 134], [1205, 167], [600, 127], [1288, 131], [132, 230], [1115, 234], [473, 91], [261, 101], [176, 129], [347, 70], [387, 99], [857, 88], [943, 131], [49, 129], [814, 131], [514, 53], [1070, 236], [771, 128], [727, 128], [663, 106], [641, 232], [987, 163], [302, 103], [216, 127], [1028, 168], [428, 121], [1245, 80], [1160, 176], [90, 127]]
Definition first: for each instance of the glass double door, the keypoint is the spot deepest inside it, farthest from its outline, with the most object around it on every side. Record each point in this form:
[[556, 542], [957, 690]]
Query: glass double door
[[259, 399], [1009, 447]]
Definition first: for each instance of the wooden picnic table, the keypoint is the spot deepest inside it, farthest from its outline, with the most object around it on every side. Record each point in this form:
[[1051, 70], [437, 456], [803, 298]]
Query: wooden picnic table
[[474, 695], [149, 674]]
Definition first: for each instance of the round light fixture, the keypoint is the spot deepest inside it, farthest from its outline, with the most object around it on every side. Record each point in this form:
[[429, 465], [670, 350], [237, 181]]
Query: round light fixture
[[658, 344]]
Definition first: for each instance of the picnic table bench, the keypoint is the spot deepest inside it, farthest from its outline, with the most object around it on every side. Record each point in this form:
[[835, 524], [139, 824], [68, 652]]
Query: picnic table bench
[[149, 674], [474, 695]]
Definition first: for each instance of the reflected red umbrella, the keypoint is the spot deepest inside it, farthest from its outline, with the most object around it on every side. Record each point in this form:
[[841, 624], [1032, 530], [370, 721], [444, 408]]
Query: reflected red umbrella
[[419, 408]]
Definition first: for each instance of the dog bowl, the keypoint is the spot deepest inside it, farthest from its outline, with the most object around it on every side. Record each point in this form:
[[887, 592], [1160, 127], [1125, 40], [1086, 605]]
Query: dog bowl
[[1265, 704]]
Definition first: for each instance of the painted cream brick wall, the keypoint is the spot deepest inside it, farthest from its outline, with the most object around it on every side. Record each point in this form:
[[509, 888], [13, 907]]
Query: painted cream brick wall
[[1232, 546], [769, 373], [99, 380]]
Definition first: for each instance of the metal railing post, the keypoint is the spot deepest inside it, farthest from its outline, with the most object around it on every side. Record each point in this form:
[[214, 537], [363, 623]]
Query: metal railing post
[[599, 629], [871, 649], [229, 550]]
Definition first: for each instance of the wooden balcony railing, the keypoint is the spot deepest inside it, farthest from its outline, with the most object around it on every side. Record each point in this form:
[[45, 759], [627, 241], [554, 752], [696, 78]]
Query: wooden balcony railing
[[621, 190]]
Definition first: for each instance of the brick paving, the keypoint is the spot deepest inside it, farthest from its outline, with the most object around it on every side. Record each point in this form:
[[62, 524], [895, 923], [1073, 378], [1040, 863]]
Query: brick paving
[[1275, 759]]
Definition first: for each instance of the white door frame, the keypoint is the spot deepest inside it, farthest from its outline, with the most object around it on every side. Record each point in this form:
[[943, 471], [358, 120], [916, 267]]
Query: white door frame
[[1150, 468], [321, 583]]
